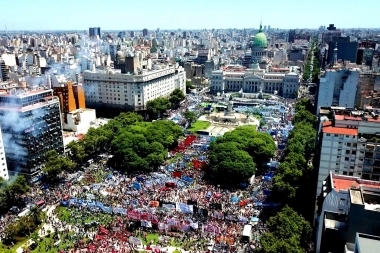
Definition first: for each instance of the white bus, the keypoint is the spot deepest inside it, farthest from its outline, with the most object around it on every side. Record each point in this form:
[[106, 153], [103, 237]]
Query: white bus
[[246, 235]]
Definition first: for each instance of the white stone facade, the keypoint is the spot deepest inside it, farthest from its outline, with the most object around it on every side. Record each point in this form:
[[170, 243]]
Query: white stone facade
[[254, 80], [131, 92]]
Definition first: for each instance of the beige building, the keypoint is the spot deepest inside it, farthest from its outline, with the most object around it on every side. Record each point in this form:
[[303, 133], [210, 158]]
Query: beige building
[[112, 89]]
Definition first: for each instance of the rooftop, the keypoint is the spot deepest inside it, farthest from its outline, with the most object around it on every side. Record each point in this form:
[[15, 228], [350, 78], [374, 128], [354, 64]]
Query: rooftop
[[338, 130], [342, 182], [368, 243], [22, 93], [44, 101]]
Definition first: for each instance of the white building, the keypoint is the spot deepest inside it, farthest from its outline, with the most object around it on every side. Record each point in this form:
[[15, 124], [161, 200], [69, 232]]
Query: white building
[[3, 163], [79, 121], [233, 78], [111, 89], [338, 88], [350, 146]]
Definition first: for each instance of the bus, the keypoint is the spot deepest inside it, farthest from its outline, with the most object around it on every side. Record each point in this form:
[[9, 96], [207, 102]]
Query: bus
[[246, 235]]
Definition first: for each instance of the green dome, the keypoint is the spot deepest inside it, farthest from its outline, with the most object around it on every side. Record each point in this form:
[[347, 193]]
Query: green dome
[[260, 40]]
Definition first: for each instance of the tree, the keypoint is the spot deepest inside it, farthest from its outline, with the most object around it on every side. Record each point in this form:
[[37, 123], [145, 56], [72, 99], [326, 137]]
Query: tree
[[304, 116], [189, 86], [157, 107], [229, 165], [56, 164], [259, 145], [288, 232], [190, 116], [77, 152], [11, 193], [176, 97]]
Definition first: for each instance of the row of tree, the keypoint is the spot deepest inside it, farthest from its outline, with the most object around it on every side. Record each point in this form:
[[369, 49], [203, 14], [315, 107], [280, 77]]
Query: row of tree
[[316, 64], [293, 187], [135, 145], [292, 182], [157, 107], [235, 156]]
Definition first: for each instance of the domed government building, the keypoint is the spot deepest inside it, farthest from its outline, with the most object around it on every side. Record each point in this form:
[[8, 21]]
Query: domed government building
[[259, 48], [257, 74]]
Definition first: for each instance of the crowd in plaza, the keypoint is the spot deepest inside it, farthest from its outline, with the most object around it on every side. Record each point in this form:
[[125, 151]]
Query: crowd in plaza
[[174, 202]]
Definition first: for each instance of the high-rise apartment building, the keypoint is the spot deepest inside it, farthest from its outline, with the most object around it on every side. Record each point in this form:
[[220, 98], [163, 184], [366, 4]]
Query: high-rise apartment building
[[349, 143], [145, 32], [337, 87], [368, 92], [31, 126], [94, 31]]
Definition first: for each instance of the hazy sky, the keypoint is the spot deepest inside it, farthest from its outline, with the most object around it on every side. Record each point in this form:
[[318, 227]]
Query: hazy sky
[[186, 14]]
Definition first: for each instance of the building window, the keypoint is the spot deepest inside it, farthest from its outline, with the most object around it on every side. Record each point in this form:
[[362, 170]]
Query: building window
[[328, 134], [335, 135]]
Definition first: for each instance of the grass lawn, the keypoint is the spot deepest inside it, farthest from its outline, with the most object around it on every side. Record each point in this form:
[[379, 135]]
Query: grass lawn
[[64, 214], [47, 245], [199, 125], [11, 249]]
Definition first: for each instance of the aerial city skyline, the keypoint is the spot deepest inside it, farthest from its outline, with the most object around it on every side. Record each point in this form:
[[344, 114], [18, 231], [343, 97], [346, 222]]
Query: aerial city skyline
[[207, 126]]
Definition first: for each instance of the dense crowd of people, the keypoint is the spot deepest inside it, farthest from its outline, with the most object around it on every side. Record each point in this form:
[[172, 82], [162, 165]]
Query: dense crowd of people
[[175, 202]]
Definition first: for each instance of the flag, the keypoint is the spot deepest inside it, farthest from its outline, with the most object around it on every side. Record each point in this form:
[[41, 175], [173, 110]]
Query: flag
[[184, 208]]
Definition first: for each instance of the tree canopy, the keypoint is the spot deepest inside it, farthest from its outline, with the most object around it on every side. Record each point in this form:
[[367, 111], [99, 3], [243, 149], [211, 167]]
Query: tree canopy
[[229, 164], [258, 144], [11, 192], [190, 116], [56, 164], [294, 168], [176, 97], [288, 232], [136, 145], [233, 157], [157, 107]]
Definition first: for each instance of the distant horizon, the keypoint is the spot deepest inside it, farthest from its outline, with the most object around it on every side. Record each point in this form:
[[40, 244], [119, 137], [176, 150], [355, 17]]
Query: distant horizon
[[194, 29]]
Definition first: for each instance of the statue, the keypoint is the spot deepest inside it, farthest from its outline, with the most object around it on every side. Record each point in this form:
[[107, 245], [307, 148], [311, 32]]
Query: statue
[[260, 96]]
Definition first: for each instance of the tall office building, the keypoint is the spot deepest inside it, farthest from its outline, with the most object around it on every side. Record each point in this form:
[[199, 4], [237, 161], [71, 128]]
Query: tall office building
[[132, 34], [31, 126], [94, 31], [145, 32]]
